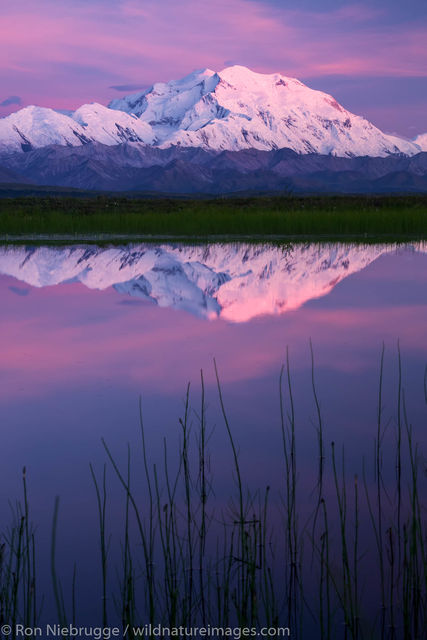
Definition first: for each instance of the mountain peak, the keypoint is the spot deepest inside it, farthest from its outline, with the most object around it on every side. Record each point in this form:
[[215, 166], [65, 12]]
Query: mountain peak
[[234, 109], [241, 73], [238, 108]]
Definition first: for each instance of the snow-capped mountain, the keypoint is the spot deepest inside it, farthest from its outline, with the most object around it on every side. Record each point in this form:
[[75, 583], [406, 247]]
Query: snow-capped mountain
[[35, 127], [234, 109], [235, 282], [240, 109], [112, 127]]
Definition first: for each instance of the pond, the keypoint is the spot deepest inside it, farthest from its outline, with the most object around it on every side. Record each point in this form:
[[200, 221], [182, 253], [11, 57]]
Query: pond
[[91, 335]]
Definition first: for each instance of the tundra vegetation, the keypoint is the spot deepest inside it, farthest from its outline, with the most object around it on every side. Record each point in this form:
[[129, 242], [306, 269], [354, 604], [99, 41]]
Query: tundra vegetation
[[288, 215]]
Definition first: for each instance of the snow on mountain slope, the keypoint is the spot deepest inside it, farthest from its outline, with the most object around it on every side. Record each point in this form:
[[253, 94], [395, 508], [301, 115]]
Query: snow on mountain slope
[[231, 110], [234, 282], [238, 109], [112, 127], [34, 127], [421, 141], [166, 103]]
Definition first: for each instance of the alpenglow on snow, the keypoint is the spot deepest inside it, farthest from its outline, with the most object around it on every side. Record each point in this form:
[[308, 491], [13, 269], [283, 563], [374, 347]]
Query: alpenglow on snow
[[233, 109], [208, 284]]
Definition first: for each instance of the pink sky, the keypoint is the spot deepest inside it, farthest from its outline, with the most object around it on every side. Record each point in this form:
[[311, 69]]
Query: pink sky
[[62, 54]]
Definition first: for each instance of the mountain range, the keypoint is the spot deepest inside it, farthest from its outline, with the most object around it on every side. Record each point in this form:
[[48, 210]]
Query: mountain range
[[235, 282], [211, 132]]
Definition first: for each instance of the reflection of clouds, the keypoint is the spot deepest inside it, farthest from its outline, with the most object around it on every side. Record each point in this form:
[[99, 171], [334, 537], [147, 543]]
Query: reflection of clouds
[[131, 302], [19, 291]]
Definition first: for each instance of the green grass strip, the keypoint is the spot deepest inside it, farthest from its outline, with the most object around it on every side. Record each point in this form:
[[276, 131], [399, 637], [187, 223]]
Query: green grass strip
[[327, 215]]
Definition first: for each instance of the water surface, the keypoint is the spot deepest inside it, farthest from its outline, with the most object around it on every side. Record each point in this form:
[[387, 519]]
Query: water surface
[[86, 330]]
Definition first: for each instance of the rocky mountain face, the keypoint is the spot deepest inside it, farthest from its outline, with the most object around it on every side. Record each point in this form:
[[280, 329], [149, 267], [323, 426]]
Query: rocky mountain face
[[10, 177], [180, 170], [234, 282]]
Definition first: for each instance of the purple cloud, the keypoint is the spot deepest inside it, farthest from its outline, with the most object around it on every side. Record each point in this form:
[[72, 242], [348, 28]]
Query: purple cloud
[[65, 54], [11, 100], [130, 87]]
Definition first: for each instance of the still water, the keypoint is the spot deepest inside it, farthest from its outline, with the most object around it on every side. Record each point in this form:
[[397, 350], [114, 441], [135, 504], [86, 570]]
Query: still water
[[85, 331]]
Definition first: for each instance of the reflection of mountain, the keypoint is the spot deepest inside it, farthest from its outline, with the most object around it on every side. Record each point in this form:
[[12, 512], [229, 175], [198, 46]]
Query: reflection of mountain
[[234, 281]]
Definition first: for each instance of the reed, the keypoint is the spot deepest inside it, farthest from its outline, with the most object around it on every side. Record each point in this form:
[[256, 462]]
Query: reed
[[355, 568], [18, 601]]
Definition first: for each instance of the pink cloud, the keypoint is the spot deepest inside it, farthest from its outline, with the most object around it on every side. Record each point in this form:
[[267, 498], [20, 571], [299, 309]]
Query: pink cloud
[[65, 56], [356, 12]]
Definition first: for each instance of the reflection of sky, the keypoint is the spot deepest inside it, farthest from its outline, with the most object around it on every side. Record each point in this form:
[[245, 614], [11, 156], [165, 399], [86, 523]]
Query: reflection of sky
[[63, 54], [68, 333], [73, 362]]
